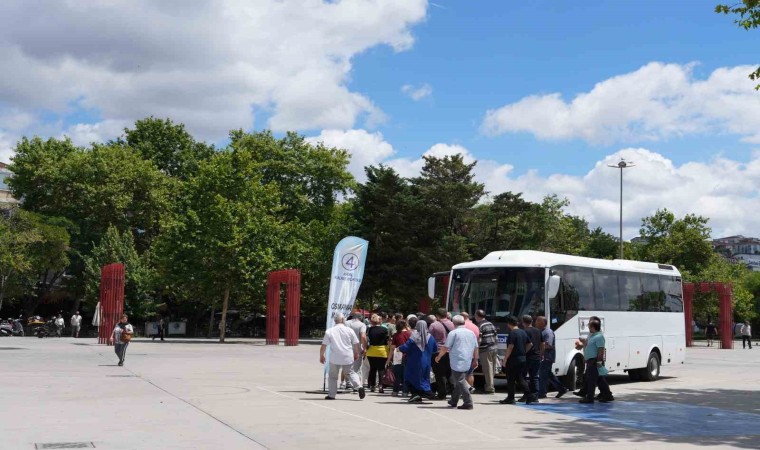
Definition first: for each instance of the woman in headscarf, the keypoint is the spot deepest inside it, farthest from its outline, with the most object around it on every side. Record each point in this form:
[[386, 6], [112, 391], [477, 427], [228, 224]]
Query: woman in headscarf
[[419, 350]]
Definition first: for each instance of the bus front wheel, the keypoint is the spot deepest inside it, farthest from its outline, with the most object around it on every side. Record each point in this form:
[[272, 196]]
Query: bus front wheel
[[574, 378]]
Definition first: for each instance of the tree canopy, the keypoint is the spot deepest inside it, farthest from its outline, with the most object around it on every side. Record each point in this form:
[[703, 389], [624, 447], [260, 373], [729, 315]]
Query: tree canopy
[[199, 227]]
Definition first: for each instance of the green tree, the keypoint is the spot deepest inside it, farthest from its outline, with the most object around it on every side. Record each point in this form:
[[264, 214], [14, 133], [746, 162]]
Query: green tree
[[683, 243], [748, 12], [168, 145], [504, 224], [601, 245], [17, 235], [719, 270], [308, 179], [94, 189], [386, 215], [224, 236], [553, 230], [447, 192], [34, 254], [116, 247]]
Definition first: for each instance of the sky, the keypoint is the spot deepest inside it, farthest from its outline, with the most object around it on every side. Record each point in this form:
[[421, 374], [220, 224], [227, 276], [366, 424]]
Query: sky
[[543, 95]]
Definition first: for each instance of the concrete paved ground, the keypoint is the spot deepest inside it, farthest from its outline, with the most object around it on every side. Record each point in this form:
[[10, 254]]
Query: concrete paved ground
[[202, 395]]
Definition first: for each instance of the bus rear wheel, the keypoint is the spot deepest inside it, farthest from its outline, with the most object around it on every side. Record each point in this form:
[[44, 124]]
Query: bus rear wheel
[[652, 371], [574, 378]]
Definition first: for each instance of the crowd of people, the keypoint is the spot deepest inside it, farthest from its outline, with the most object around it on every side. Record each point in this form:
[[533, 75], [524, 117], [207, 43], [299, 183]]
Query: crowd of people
[[433, 357]]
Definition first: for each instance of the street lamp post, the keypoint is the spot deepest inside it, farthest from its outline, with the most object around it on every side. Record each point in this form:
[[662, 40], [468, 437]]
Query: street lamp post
[[623, 164]]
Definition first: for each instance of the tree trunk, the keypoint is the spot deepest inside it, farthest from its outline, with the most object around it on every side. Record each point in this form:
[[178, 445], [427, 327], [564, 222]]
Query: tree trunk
[[211, 322], [223, 322], [77, 302], [3, 282]]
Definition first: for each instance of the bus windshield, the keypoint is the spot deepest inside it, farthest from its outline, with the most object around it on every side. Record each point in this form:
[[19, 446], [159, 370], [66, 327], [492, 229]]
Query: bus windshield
[[499, 291]]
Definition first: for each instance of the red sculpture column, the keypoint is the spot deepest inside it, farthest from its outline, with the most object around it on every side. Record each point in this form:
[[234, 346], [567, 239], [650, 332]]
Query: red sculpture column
[[292, 307], [725, 292], [688, 311], [292, 280], [111, 299]]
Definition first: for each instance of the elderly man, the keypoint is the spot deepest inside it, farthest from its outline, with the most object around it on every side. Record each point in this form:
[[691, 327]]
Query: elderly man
[[344, 350], [462, 348]]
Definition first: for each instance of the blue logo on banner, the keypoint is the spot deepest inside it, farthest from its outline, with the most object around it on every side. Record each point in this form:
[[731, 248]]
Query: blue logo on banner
[[502, 338]]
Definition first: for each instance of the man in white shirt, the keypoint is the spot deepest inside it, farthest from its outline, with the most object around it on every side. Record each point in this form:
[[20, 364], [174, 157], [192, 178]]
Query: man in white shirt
[[746, 335], [59, 323], [76, 324], [344, 351]]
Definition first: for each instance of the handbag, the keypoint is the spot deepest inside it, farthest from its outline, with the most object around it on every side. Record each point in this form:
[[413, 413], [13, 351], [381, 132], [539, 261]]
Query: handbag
[[389, 378], [125, 337]]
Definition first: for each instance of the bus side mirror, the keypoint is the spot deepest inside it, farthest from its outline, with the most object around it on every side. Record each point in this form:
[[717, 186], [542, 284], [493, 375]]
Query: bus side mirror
[[553, 287], [431, 287]]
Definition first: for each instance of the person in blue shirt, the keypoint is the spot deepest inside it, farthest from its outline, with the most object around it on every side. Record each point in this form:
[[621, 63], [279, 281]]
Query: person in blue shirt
[[419, 350], [462, 347], [546, 376], [593, 353]]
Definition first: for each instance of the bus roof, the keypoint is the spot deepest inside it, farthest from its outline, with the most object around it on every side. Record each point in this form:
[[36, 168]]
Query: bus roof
[[532, 258]]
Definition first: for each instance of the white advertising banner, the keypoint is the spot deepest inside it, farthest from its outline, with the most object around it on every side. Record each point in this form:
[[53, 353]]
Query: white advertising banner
[[347, 273]]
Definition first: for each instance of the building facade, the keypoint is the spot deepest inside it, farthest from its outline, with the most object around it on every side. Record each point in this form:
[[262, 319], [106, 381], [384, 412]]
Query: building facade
[[6, 199]]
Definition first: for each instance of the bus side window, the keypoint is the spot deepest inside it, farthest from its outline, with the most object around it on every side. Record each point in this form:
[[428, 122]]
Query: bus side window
[[580, 283], [606, 290], [630, 291], [673, 297]]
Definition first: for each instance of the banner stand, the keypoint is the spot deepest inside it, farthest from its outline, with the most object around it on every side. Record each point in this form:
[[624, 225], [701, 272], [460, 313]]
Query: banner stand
[[346, 277]]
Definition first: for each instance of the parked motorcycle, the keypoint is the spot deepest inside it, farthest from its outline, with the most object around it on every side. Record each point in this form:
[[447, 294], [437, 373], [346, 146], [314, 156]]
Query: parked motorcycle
[[11, 327], [48, 329]]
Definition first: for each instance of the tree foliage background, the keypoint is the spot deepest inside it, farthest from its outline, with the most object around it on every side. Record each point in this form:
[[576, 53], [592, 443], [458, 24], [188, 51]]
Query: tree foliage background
[[198, 227]]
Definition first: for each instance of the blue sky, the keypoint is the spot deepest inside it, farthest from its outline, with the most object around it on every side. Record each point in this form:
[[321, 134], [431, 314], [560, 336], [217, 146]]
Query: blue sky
[[481, 55], [542, 94]]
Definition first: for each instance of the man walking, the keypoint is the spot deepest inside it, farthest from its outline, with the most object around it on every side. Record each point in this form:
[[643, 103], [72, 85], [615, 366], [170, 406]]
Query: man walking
[[746, 335], [76, 324], [517, 346], [357, 325], [59, 324], [462, 348], [545, 374], [159, 329], [344, 352], [593, 352], [441, 368], [532, 356], [487, 350]]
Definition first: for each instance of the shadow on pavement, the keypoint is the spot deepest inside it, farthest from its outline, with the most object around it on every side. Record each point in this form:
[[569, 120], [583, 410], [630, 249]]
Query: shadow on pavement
[[729, 401]]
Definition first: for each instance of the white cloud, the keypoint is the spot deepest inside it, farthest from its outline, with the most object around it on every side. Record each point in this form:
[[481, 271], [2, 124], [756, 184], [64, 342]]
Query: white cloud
[[366, 148], [657, 101], [84, 134], [5, 148], [209, 64], [417, 93]]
